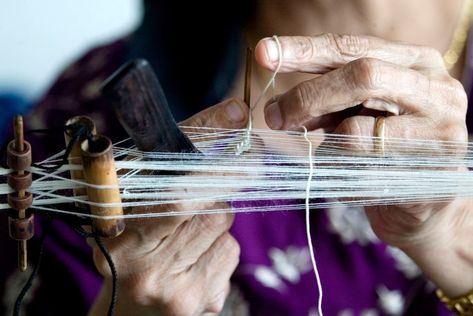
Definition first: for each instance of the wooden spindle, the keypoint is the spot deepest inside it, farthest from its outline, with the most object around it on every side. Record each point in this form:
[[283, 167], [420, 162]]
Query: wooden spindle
[[21, 226], [99, 169]]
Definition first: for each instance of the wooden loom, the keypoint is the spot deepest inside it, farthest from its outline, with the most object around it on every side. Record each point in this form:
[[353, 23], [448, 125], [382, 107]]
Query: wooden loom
[[141, 107]]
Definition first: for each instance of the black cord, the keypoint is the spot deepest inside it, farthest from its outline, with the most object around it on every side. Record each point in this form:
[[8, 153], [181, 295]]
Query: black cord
[[34, 273], [79, 131], [82, 232], [108, 257]]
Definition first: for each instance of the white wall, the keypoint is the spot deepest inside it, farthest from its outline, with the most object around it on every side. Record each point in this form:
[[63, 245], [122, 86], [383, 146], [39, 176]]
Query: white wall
[[40, 37]]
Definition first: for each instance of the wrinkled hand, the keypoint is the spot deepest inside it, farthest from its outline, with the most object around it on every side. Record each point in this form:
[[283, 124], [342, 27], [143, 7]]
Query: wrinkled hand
[[175, 265], [412, 83]]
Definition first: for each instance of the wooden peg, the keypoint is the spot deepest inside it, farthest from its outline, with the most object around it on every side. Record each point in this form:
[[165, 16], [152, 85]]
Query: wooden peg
[[99, 169]]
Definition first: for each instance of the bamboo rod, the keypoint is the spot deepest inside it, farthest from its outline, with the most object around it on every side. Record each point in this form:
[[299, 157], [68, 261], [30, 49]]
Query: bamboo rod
[[99, 169]]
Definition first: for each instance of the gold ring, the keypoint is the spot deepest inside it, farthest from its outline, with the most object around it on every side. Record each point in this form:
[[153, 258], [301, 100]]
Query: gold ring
[[378, 133]]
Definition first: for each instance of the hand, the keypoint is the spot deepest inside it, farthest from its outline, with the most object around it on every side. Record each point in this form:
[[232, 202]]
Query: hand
[[175, 265], [412, 83]]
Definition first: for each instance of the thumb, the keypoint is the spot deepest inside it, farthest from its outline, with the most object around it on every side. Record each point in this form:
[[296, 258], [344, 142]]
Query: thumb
[[231, 113]]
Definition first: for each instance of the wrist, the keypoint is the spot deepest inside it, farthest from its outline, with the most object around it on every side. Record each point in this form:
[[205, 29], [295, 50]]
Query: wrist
[[444, 248]]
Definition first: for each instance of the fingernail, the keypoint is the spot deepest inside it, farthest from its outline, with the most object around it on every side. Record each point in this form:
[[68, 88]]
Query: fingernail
[[273, 116], [272, 52], [234, 112]]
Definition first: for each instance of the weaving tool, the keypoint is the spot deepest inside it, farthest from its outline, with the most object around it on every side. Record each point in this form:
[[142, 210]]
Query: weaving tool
[[140, 104], [21, 224]]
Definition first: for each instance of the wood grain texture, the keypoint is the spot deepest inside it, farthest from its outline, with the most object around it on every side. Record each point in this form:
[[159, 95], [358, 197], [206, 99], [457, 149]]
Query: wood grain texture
[[141, 107]]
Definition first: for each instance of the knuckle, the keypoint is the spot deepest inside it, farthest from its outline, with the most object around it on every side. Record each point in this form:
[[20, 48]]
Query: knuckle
[[216, 222], [351, 126], [365, 73], [198, 120], [216, 303], [142, 290], [458, 94], [230, 247], [454, 133], [300, 104], [306, 49], [348, 47], [431, 55], [232, 100], [183, 304], [303, 97], [454, 138], [184, 308]]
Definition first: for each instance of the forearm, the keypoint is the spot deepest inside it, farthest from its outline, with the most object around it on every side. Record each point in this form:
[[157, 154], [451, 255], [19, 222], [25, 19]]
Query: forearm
[[446, 257]]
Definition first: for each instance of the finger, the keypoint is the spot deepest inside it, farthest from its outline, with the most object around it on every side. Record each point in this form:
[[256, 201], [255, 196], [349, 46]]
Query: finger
[[231, 113], [357, 82], [215, 267], [194, 238], [362, 129], [319, 54], [382, 105]]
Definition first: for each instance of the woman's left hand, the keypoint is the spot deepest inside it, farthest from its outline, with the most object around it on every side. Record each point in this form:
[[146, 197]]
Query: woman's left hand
[[412, 83]]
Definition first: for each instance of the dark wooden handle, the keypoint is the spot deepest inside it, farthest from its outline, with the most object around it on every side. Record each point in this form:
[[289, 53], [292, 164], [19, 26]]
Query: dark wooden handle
[[142, 109]]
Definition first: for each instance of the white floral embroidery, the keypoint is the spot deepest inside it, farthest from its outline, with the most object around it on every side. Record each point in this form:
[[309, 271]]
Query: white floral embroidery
[[268, 278], [391, 302], [290, 264], [369, 312], [364, 312], [404, 263], [351, 224], [346, 312], [287, 265]]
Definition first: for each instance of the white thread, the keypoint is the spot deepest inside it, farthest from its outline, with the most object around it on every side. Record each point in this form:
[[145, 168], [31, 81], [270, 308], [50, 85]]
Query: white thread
[[417, 173], [307, 223]]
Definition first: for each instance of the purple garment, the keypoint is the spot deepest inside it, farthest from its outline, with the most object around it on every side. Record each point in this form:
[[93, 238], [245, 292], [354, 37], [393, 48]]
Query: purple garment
[[274, 275]]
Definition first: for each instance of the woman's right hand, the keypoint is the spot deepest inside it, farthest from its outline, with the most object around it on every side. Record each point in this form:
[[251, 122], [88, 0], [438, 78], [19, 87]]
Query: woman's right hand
[[175, 265]]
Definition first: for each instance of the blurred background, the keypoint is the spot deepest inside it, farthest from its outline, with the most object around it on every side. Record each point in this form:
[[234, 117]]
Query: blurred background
[[39, 38]]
